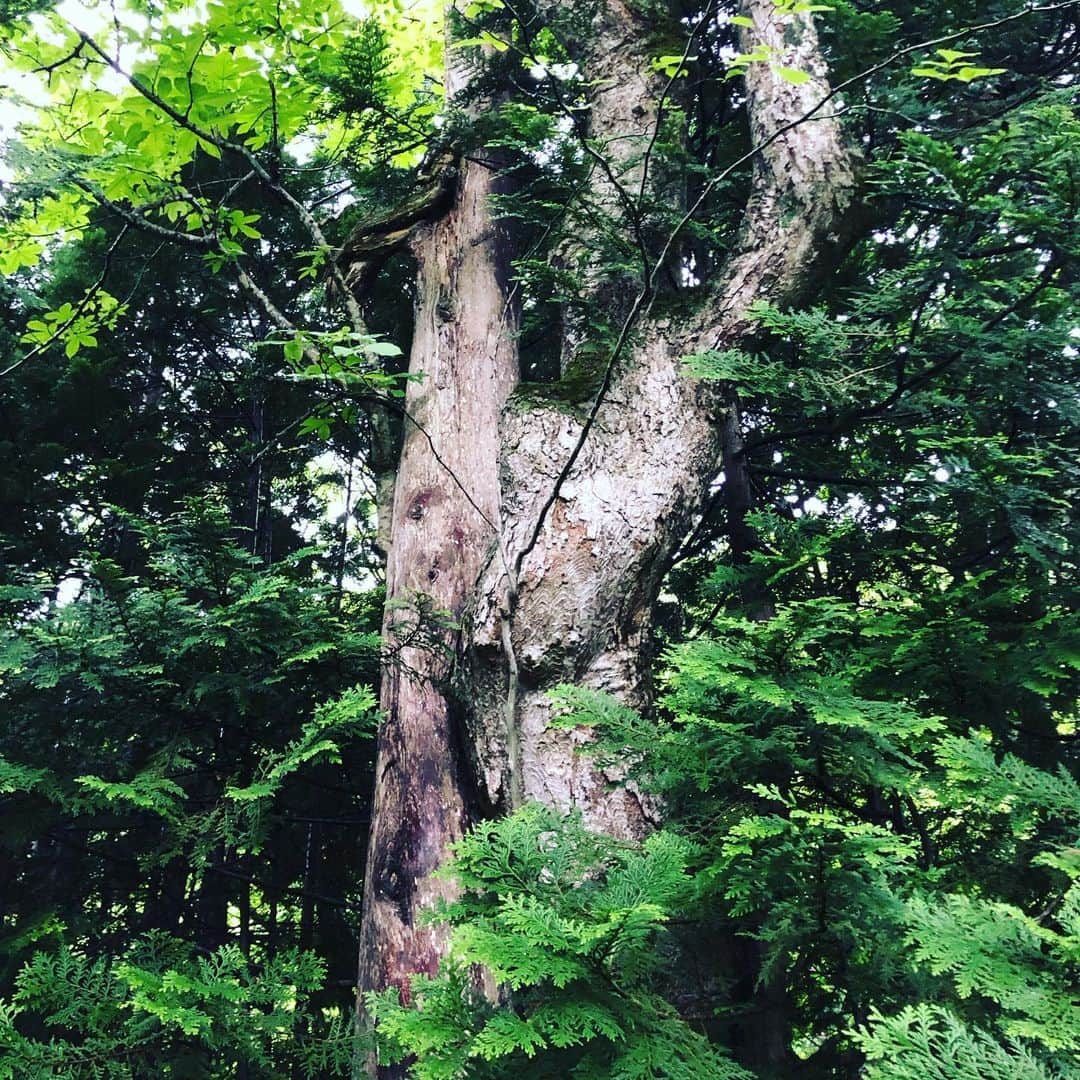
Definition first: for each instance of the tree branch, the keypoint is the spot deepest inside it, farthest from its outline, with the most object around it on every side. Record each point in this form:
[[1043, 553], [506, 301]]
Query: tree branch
[[306, 217], [79, 308]]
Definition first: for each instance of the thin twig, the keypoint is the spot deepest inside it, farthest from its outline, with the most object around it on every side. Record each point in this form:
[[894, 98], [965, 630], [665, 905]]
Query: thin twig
[[306, 217], [79, 308]]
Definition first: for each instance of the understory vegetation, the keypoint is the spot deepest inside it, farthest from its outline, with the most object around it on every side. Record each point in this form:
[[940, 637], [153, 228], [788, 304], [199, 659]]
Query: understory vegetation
[[861, 744]]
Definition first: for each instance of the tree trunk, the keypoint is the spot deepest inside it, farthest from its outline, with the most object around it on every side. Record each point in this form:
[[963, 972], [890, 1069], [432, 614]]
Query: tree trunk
[[445, 518], [546, 532]]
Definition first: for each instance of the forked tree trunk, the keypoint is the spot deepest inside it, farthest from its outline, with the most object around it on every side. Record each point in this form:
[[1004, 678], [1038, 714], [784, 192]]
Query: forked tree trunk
[[551, 571]]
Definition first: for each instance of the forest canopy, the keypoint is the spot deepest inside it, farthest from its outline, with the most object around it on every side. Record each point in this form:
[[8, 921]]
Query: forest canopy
[[538, 540]]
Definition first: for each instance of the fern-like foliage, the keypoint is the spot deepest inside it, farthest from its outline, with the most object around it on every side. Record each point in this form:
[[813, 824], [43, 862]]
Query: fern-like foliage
[[570, 924], [168, 740], [95, 1018], [863, 838], [927, 1042]]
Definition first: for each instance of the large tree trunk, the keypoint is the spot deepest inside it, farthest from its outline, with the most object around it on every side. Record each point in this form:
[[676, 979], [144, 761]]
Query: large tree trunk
[[547, 532]]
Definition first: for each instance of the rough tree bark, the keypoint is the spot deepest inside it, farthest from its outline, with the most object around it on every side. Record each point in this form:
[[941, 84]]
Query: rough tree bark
[[445, 515], [545, 533]]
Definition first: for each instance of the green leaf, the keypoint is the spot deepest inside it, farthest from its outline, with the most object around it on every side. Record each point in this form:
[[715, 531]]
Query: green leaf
[[382, 348], [792, 75]]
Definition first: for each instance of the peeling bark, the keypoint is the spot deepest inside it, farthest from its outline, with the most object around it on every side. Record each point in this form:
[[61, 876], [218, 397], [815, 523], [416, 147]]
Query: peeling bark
[[570, 600], [586, 588], [464, 354]]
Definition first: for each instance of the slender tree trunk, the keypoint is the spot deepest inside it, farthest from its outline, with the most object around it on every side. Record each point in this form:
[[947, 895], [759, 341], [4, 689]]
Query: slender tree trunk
[[529, 542], [444, 524]]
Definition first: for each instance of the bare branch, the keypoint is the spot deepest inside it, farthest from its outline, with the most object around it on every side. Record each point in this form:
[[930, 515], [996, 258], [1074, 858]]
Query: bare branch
[[136, 218]]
